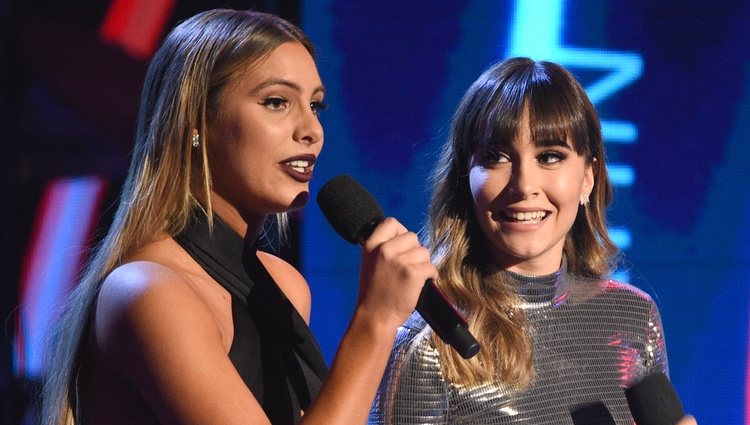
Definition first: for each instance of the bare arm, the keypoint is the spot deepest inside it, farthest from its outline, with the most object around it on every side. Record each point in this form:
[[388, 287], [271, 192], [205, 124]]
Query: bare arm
[[392, 276], [163, 340], [159, 336], [394, 269]]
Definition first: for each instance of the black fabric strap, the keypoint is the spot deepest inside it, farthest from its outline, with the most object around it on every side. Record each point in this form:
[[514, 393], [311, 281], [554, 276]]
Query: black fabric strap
[[234, 264]]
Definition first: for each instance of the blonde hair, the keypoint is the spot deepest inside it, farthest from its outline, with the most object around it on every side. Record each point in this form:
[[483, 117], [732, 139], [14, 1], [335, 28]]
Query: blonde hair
[[167, 178], [490, 113]]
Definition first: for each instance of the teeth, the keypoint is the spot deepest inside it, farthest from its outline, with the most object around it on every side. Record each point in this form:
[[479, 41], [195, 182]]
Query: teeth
[[526, 216], [299, 165]]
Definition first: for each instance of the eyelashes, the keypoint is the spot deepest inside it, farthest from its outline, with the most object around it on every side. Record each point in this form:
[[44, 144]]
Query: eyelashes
[[491, 155], [275, 103], [549, 157], [280, 103], [318, 106]]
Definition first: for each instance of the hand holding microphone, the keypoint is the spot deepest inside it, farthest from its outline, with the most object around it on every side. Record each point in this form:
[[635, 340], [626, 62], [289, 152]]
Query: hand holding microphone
[[357, 217], [392, 255]]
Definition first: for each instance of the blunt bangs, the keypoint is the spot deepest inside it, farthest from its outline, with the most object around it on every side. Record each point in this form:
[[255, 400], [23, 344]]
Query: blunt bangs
[[494, 104]]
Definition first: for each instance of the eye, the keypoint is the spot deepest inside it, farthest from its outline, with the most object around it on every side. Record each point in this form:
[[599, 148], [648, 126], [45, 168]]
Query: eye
[[318, 106], [551, 157], [491, 155], [275, 103]]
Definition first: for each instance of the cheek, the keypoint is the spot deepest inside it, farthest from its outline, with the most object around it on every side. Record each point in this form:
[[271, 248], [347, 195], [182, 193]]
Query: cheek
[[485, 186], [567, 192], [568, 186], [247, 146], [477, 180]]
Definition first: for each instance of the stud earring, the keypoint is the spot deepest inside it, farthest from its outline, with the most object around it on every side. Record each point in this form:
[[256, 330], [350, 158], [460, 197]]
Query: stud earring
[[196, 139], [584, 200]]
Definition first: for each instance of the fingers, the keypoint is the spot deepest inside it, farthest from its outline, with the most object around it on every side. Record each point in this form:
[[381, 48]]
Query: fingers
[[385, 231], [391, 242], [405, 245], [394, 269], [408, 262]]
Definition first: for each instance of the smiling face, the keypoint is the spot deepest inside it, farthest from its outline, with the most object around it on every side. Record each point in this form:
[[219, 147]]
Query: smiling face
[[265, 136], [526, 197]]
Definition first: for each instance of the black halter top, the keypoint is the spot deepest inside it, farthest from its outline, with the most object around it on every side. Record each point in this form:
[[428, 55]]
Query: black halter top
[[273, 349]]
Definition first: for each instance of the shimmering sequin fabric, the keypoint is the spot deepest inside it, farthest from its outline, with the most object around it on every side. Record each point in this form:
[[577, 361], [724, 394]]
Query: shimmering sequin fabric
[[591, 340]]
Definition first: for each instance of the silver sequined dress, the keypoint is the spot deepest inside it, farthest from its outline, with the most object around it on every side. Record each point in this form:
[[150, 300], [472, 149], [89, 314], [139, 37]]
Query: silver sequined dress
[[592, 339]]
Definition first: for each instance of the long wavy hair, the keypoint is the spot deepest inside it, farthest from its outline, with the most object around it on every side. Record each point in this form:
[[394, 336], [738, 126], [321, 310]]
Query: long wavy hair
[[490, 114], [167, 178]]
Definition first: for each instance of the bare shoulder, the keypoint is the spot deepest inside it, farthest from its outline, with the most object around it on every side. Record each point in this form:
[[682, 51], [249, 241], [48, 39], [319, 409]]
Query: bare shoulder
[[144, 302], [158, 332], [131, 282], [290, 280]]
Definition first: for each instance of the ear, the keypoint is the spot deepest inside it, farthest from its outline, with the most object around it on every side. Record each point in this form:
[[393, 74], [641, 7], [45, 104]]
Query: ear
[[588, 179]]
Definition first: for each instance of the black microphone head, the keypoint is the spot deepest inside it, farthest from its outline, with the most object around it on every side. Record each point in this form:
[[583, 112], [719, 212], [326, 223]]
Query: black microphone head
[[593, 413], [350, 208], [653, 401]]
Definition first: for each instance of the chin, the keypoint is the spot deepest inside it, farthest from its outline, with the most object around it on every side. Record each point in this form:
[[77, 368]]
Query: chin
[[519, 254], [520, 249], [521, 257], [299, 201]]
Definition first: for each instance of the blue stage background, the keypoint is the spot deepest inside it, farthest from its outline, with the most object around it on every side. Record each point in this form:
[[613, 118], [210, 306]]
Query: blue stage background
[[671, 80]]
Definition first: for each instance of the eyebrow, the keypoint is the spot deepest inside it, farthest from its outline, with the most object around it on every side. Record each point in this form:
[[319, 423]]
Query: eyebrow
[[284, 82], [549, 143]]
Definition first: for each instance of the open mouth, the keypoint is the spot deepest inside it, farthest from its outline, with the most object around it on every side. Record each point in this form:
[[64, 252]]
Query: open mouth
[[524, 216], [300, 165]]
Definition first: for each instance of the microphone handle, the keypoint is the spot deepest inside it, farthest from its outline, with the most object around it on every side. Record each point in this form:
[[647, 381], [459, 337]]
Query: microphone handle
[[446, 321]]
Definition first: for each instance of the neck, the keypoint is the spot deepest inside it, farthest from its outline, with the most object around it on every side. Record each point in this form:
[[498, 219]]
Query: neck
[[534, 267], [534, 289], [542, 264], [249, 225]]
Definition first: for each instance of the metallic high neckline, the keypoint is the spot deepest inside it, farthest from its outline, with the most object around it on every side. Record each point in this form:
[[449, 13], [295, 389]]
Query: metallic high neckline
[[543, 289]]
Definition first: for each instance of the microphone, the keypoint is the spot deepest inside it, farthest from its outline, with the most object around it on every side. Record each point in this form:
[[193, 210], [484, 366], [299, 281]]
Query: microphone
[[594, 413], [354, 213], [653, 401]]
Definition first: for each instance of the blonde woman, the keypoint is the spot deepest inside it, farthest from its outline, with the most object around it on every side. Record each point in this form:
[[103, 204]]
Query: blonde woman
[[517, 232], [179, 319]]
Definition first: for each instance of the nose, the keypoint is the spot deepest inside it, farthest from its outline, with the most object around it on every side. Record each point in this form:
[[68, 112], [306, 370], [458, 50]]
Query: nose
[[308, 129], [524, 180]]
